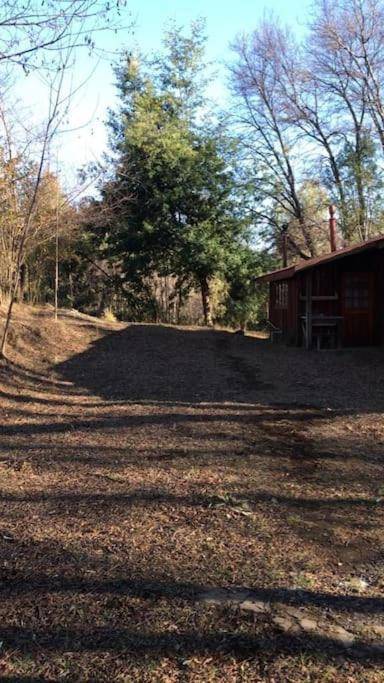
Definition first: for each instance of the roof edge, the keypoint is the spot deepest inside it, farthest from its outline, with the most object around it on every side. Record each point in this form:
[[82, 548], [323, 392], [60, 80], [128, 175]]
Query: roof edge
[[281, 274], [289, 271]]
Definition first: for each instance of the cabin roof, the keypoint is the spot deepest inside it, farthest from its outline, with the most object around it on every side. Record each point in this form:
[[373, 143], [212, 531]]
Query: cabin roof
[[305, 264]]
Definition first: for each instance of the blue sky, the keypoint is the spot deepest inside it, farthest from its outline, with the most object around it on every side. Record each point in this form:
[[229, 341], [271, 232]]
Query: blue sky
[[88, 111]]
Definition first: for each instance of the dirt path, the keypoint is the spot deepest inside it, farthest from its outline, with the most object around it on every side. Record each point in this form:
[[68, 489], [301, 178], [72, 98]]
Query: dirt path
[[164, 517]]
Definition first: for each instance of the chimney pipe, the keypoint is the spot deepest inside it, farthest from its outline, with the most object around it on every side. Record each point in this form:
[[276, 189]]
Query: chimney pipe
[[284, 250], [332, 227]]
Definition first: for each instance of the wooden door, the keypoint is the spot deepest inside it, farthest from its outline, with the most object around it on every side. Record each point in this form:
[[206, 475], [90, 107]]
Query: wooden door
[[358, 293]]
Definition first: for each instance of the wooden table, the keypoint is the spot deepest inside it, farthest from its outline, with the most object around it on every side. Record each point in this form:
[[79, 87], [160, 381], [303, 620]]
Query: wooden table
[[321, 323]]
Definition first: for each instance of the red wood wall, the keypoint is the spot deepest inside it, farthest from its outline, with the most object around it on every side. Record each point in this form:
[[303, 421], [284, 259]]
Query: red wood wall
[[287, 298]]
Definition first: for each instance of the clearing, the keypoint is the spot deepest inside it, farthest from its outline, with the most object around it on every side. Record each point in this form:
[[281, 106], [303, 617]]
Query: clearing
[[188, 505]]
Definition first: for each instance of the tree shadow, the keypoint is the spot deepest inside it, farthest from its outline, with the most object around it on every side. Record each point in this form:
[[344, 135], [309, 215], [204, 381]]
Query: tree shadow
[[157, 363], [155, 497], [319, 521], [154, 363], [109, 421], [226, 630], [156, 588], [57, 581], [139, 644]]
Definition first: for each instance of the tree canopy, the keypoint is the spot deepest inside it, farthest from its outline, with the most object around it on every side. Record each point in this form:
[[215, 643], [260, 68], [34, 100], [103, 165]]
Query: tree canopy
[[170, 203]]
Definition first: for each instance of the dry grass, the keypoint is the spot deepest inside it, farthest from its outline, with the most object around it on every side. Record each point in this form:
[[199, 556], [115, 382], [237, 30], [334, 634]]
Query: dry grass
[[140, 465]]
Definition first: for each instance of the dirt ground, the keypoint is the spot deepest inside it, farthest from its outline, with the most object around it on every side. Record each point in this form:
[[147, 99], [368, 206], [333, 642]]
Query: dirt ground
[[188, 505]]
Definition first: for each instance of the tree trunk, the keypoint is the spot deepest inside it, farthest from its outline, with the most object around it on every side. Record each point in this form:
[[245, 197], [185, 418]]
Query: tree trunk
[[179, 303], [22, 282], [205, 297], [71, 294]]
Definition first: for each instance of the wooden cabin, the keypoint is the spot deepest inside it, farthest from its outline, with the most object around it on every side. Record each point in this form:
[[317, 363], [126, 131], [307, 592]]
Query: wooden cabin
[[332, 301]]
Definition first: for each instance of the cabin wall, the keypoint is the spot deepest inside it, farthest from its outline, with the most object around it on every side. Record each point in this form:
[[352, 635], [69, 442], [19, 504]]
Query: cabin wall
[[283, 310], [326, 291], [329, 295], [379, 297], [370, 263]]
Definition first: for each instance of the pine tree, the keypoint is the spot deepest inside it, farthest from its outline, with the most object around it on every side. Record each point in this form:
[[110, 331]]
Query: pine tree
[[170, 199]]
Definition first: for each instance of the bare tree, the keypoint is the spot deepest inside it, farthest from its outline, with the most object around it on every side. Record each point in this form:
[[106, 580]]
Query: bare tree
[[269, 139], [308, 115], [346, 60], [351, 33], [32, 32], [43, 36], [26, 224]]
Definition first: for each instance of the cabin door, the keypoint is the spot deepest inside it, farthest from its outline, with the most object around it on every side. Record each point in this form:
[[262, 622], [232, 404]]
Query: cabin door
[[357, 309]]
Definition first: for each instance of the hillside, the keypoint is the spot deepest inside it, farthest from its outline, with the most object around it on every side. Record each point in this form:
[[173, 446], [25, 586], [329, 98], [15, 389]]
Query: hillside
[[37, 342]]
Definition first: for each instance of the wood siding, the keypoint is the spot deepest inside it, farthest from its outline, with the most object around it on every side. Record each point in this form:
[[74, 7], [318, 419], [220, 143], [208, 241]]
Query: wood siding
[[335, 292]]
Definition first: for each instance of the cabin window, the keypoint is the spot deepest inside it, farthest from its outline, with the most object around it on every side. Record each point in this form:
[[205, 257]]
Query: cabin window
[[356, 291], [323, 281], [281, 295]]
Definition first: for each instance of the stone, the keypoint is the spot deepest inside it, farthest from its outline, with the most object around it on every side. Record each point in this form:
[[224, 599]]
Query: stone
[[239, 595], [286, 624], [294, 612], [215, 596], [257, 606], [342, 636], [378, 629], [220, 596], [308, 624], [358, 584]]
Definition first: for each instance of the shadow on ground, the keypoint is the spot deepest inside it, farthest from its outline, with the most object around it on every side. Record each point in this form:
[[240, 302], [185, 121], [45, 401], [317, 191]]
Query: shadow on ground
[[157, 363], [144, 363]]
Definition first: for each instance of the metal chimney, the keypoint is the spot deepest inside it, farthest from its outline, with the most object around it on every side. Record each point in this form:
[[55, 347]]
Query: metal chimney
[[332, 227], [284, 246]]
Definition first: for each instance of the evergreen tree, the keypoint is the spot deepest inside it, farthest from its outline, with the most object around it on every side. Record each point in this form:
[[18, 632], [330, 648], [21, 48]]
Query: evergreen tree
[[171, 199], [246, 303]]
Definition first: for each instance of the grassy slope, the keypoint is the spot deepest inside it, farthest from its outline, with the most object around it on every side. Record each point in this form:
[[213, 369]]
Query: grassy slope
[[37, 342]]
